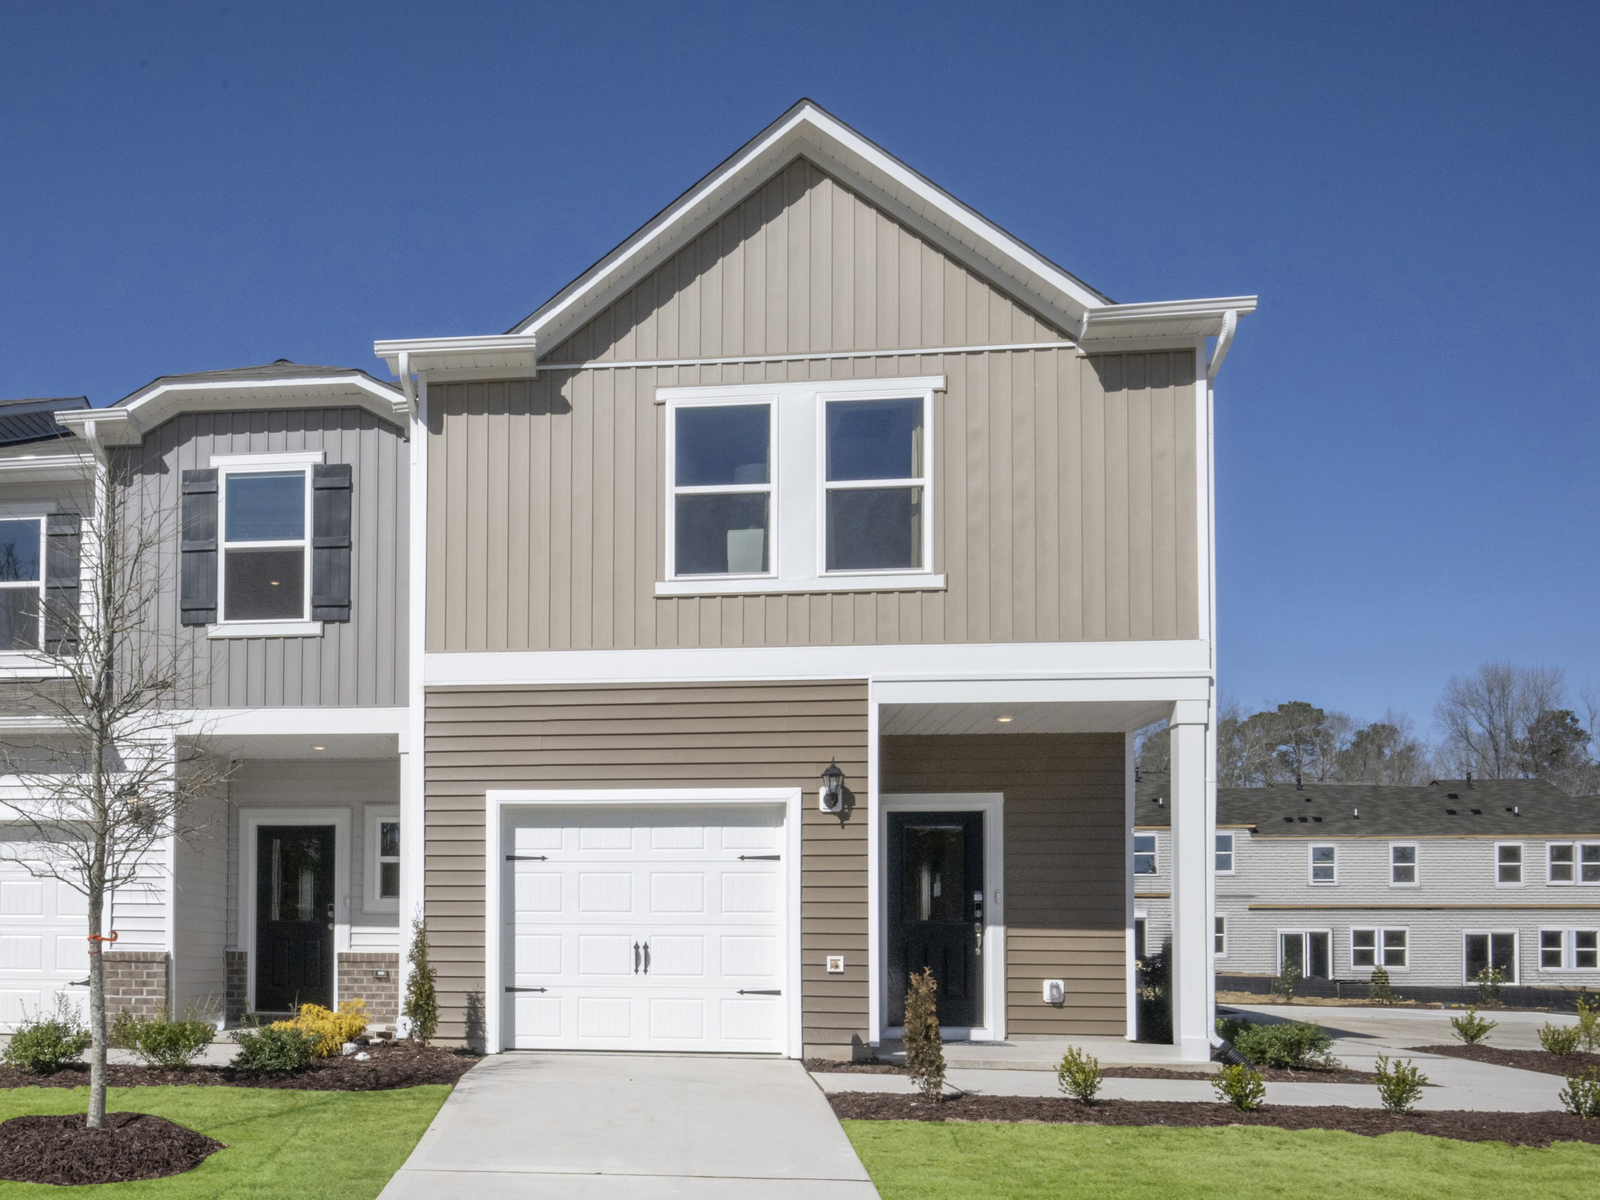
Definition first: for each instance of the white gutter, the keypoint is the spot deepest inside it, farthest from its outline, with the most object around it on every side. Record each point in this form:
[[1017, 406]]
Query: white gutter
[[1230, 323]]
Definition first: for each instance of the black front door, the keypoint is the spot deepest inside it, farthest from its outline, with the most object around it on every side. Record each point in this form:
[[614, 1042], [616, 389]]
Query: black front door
[[936, 911], [294, 917]]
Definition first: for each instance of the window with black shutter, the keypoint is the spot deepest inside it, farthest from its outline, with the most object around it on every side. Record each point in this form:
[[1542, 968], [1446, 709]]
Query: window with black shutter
[[330, 542]]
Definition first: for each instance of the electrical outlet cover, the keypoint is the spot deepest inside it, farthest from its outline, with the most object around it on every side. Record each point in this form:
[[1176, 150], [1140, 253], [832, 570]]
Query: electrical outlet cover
[[835, 964]]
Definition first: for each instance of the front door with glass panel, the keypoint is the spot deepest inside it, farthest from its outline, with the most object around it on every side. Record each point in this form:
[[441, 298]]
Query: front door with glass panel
[[936, 912], [294, 917], [1308, 952]]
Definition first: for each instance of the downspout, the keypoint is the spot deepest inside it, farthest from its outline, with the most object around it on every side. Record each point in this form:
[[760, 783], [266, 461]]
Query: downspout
[[407, 384], [1230, 323]]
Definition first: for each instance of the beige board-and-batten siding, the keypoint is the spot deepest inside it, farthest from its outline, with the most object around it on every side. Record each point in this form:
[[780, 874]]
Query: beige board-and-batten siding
[[1065, 486], [1064, 863], [652, 736]]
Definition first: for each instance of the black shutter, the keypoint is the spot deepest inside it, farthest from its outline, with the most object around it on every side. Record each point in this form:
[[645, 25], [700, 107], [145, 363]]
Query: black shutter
[[330, 542], [63, 536], [198, 598]]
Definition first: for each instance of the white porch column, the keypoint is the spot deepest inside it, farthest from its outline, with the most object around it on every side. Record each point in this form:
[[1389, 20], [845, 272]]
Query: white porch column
[[1193, 868]]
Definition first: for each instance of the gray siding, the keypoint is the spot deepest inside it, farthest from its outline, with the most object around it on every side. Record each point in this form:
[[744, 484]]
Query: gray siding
[[200, 911], [1064, 830], [361, 662], [636, 736]]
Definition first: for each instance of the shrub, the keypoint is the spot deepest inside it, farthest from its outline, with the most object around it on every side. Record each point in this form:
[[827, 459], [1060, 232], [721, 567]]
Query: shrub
[[42, 1044], [1560, 1039], [1581, 1096], [1489, 981], [1079, 1075], [1471, 1028], [1241, 1087], [1285, 982], [1229, 1028], [160, 1041], [421, 1008], [330, 1029], [1153, 987], [1589, 1023], [924, 1046], [1290, 1045], [1399, 1084], [1379, 991], [279, 1047]]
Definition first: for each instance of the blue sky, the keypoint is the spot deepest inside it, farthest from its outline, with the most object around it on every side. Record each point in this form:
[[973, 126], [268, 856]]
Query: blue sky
[[1406, 430]]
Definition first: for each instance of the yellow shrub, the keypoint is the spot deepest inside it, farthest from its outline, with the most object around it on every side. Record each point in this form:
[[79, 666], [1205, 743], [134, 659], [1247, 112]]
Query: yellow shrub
[[331, 1029]]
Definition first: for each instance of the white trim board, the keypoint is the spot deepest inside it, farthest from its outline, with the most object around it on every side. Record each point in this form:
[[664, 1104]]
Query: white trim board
[[497, 800], [250, 822]]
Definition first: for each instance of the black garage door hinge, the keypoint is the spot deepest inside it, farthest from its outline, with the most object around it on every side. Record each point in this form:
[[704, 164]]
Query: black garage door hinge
[[509, 988], [526, 858], [759, 992], [760, 857]]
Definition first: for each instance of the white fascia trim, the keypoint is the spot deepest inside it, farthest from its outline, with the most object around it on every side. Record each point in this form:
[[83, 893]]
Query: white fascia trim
[[1213, 308], [47, 466], [1184, 663], [909, 582], [265, 629], [802, 356], [126, 423], [506, 353], [860, 387], [293, 458], [223, 722]]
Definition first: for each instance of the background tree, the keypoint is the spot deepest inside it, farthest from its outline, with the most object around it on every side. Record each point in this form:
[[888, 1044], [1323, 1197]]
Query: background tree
[[112, 768], [1385, 752], [1507, 722]]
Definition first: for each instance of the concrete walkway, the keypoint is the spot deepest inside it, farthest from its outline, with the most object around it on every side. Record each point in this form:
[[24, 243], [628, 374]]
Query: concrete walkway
[[598, 1126]]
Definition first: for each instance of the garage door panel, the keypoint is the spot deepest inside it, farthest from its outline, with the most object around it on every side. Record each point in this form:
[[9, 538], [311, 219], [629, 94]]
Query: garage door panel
[[749, 957], [678, 956], [749, 1019], [22, 898], [604, 954], [750, 892], [605, 892], [606, 1018], [677, 892], [681, 1019], [537, 954], [538, 892]]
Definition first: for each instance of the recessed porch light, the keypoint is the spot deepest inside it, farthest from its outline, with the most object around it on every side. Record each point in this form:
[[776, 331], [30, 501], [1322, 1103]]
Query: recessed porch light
[[1002, 720], [319, 747]]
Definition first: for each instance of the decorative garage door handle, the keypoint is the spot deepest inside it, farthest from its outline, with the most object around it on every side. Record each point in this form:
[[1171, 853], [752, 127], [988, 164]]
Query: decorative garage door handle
[[647, 958], [636, 958], [759, 992], [760, 857], [523, 989], [526, 858]]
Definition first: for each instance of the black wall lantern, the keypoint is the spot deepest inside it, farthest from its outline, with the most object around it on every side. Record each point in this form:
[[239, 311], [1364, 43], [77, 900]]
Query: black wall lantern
[[832, 793]]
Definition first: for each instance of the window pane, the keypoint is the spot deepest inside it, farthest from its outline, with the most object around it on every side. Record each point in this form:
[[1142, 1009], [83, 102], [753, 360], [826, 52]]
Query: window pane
[[875, 439], [1550, 949], [723, 443], [1224, 851], [264, 585], [1363, 947], [1144, 854], [1561, 862], [1403, 860], [1591, 862], [722, 535], [269, 506], [1510, 864], [389, 881], [1322, 862], [1403, 854], [1585, 949], [1503, 954], [19, 618], [1477, 948], [935, 879], [389, 839], [1220, 936], [1394, 947], [19, 551], [874, 528]]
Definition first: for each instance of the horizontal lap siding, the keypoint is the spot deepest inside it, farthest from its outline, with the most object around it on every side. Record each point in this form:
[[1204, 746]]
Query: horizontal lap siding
[[631, 736], [1064, 863]]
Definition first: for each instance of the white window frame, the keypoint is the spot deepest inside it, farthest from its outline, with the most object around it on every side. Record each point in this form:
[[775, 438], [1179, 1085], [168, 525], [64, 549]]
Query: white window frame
[[1305, 949], [1415, 864], [1569, 949], [29, 653], [376, 816], [924, 481], [1312, 864], [1232, 852], [1522, 865], [228, 466], [770, 489], [1577, 847], [1378, 947], [1516, 952], [1154, 852], [1219, 933]]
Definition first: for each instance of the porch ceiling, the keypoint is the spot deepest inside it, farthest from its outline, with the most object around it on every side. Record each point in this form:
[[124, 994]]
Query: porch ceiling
[[927, 719], [305, 745]]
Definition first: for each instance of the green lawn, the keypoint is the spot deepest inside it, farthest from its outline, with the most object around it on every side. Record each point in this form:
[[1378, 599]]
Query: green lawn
[[288, 1144], [916, 1160]]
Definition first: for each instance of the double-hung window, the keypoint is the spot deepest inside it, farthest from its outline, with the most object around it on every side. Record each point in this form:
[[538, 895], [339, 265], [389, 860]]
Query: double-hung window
[[1403, 864], [1379, 948], [265, 544], [1224, 854], [1508, 864], [1219, 936], [1569, 949], [383, 860], [1144, 854], [1573, 862], [875, 484], [721, 518], [21, 583], [1324, 864]]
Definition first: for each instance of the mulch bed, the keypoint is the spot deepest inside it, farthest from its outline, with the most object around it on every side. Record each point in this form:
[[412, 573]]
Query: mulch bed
[[64, 1150], [1516, 1129], [1527, 1060], [878, 1066], [392, 1065]]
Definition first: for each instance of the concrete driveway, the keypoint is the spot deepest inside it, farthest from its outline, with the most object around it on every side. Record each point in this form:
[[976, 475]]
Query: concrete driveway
[[597, 1126]]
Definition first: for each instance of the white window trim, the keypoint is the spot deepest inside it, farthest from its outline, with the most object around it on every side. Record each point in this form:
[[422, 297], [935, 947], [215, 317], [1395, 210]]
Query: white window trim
[[1223, 953], [1569, 950], [1311, 865], [24, 658], [924, 481], [372, 902], [1550, 866], [770, 488], [1278, 947], [1233, 852], [258, 464], [1154, 852], [1416, 865], [1522, 872], [796, 551], [1516, 953], [1378, 931]]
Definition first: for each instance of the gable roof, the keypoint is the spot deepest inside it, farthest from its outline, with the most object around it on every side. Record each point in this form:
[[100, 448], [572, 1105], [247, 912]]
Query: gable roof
[[808, 130]]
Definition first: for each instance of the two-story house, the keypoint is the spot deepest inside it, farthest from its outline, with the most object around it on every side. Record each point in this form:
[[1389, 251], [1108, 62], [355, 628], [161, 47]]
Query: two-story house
[[785, 591], [1434, 883]]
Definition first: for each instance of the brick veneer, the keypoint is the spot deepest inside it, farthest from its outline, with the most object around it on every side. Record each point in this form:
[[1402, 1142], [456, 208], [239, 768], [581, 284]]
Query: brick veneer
[[136, 980], [237, 1002], [382, 995]]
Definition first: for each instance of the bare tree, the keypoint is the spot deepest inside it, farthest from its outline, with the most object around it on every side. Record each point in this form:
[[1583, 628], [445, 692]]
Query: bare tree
[[113, 765], [1386, 751], [1486, 717]]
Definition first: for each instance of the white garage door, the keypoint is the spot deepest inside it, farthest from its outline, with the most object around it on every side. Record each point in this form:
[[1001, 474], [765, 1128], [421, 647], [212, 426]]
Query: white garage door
[[650, 928], [44, 946]]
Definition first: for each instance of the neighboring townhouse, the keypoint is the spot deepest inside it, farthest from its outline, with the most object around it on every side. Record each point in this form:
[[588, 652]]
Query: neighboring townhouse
[[1432, 883], [281, 494], [788, 588]]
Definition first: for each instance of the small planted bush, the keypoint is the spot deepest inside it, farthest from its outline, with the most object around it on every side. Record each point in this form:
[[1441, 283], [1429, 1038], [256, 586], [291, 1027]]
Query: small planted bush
[[330, 1029], [1581, 1096], [1295, 1044], [1589, 1023], [1471, 1028], [1560, 1039], [1241, 1087], [1285, 983], [44, 1043], [1379, 991], [1400, 1084], [160, 1041], [924, 1045], [274, 1048], [421, 1009], [1489, 981], [1079, 1075], [1229, 1028]]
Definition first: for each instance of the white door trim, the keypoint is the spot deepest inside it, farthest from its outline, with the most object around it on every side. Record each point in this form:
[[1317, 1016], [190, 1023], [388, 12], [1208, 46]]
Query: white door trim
[[499, 799], [992, 806], [252, 820]]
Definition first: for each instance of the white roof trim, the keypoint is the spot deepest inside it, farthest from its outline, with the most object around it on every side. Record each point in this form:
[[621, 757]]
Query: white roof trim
[[126, 422], [505, 353]]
